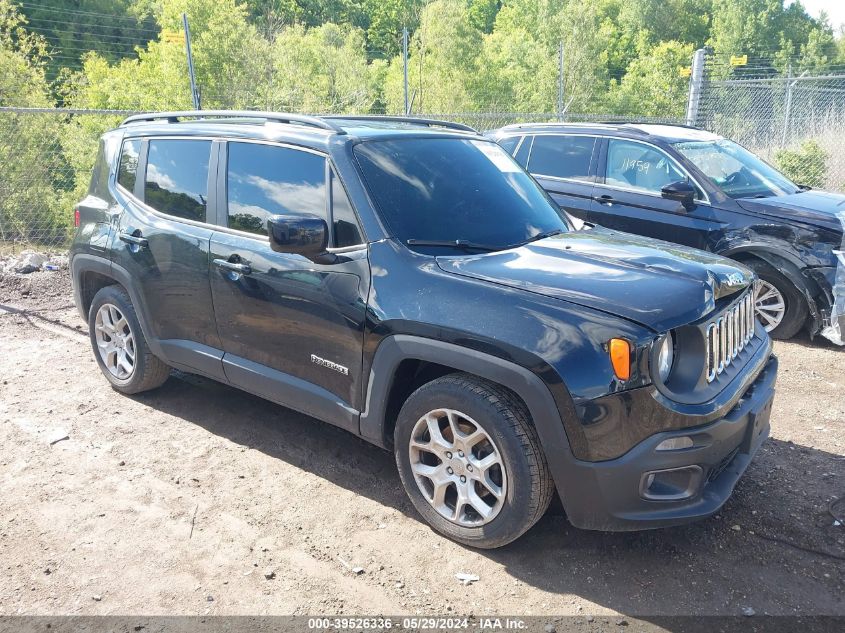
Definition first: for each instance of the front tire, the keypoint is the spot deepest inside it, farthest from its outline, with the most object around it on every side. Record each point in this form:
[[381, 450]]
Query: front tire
[[780, 306], [471, 462], [119, 344]]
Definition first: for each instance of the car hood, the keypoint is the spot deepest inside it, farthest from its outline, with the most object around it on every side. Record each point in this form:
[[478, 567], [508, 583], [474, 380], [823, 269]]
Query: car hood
[[818, 208], [654, 283]]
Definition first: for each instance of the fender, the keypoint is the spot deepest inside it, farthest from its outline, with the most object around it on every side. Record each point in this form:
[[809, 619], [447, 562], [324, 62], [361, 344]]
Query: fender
[[764, 251], [82, 263], [790, 266], [527, 385]]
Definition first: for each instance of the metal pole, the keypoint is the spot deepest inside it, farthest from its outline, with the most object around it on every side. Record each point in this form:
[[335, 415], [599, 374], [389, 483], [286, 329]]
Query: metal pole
[[560, 82], [195, 95], [696, 83], [788, 109], [405, 68]]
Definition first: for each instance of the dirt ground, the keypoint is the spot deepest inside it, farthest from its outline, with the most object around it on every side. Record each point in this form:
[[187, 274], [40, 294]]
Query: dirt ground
[[200, 499]]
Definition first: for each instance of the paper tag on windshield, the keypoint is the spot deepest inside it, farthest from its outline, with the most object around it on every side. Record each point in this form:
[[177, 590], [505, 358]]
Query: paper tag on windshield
[[497, 155]]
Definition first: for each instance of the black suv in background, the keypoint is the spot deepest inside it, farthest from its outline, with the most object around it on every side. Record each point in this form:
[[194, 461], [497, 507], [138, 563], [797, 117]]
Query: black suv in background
[[695, 188], [409, 282]]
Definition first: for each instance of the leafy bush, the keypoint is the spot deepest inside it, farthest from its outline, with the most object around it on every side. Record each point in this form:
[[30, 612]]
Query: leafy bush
[[806, 165]]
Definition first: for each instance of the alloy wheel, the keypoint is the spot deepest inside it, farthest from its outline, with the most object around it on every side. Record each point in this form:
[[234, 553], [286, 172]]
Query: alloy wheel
[[770, 304], [457, 467], [115, 341]]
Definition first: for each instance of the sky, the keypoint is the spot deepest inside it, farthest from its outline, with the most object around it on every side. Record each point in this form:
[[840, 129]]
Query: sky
[[835, 10]]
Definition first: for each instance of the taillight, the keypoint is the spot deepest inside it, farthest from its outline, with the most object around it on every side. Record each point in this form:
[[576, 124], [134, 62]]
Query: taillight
[[76, 217]]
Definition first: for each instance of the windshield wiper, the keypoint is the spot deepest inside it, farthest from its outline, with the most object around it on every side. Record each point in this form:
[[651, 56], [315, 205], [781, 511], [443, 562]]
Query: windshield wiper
[[463, 244], [541, 236]]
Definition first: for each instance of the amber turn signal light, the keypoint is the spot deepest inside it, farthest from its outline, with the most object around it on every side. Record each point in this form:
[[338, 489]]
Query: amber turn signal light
[[620, 357]]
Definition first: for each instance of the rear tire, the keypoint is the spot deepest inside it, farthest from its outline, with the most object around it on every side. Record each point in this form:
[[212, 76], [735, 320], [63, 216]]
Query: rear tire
[[775, 288], [119, 344], [495, 449]]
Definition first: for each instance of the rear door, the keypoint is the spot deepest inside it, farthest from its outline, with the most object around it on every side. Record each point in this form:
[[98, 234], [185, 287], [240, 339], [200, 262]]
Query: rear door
[[292, 330], [564, 166], [628, 197], [162, 241]]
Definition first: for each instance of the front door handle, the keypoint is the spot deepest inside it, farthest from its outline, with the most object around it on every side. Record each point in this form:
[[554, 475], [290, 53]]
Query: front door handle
[[605, 199], [235, 267], [134, 239]]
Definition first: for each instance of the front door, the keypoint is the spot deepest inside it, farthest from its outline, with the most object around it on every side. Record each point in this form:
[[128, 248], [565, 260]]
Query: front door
[[291, 329], [627, 196]]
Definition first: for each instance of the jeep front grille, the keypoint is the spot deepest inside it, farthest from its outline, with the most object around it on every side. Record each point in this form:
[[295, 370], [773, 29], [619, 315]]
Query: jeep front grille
[[728, 335]]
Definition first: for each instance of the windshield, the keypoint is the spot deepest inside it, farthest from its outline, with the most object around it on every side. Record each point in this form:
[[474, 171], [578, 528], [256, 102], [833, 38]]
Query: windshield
[[735, 170], [448, 189]]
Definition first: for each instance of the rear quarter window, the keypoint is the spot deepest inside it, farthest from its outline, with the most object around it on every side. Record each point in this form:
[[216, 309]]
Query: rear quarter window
[[509, 144], [127, 169]]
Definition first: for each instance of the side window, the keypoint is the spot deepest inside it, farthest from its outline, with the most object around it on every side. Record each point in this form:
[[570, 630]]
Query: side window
[[509, 144], [177, 177], [266, 180], [346, 229], [637, 166], [127, 170], [524, 150], [562, 156]]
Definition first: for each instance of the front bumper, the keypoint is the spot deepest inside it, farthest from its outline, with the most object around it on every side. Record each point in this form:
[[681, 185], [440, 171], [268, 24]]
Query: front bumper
[[611, 495]]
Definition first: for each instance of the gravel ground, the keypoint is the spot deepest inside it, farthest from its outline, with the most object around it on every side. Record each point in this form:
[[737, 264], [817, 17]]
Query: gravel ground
[[198, 498]]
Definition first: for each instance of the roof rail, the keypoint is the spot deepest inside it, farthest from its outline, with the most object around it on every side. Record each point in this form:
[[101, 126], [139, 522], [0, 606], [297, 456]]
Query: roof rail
[[516, 126], [404, 119], [275, 117], [624, 123]]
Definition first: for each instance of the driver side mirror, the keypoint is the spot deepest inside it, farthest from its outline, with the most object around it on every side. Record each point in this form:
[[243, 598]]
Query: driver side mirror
[[305, 235], [681, 191]]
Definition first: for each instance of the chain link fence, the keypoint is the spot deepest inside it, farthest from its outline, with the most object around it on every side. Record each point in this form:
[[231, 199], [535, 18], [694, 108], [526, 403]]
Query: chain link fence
[[794, 121], [46, 156]]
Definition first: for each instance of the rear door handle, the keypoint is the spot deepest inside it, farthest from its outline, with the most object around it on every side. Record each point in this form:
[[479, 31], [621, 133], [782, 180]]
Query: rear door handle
[[605, 199], [135, 240], [235, 267]]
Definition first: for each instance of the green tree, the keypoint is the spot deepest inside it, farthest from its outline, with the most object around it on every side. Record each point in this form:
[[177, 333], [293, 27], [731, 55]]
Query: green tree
[[806, 165], [32, 171], [653, 85], [442, 62], [73, 27]]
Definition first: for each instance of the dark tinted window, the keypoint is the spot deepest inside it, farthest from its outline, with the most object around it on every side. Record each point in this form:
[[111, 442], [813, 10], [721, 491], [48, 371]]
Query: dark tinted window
[[177, 177], [100, 174], [128, 169], [524, 149], [266, 180], [346, 230], [562, 156], [454, 189], [509, 144]]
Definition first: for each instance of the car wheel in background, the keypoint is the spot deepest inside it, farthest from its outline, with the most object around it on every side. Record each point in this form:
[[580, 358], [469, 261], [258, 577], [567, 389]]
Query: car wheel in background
[[781, 307]]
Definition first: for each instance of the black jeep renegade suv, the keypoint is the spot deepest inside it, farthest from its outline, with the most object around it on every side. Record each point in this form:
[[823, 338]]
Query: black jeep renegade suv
[[409, 282]]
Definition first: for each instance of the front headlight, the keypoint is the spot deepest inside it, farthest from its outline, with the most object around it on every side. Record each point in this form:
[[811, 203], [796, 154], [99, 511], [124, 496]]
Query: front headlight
[[666, 357]]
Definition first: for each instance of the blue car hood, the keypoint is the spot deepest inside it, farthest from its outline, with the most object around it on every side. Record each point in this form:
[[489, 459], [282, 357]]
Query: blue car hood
[[656, 284], [817, 208]]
